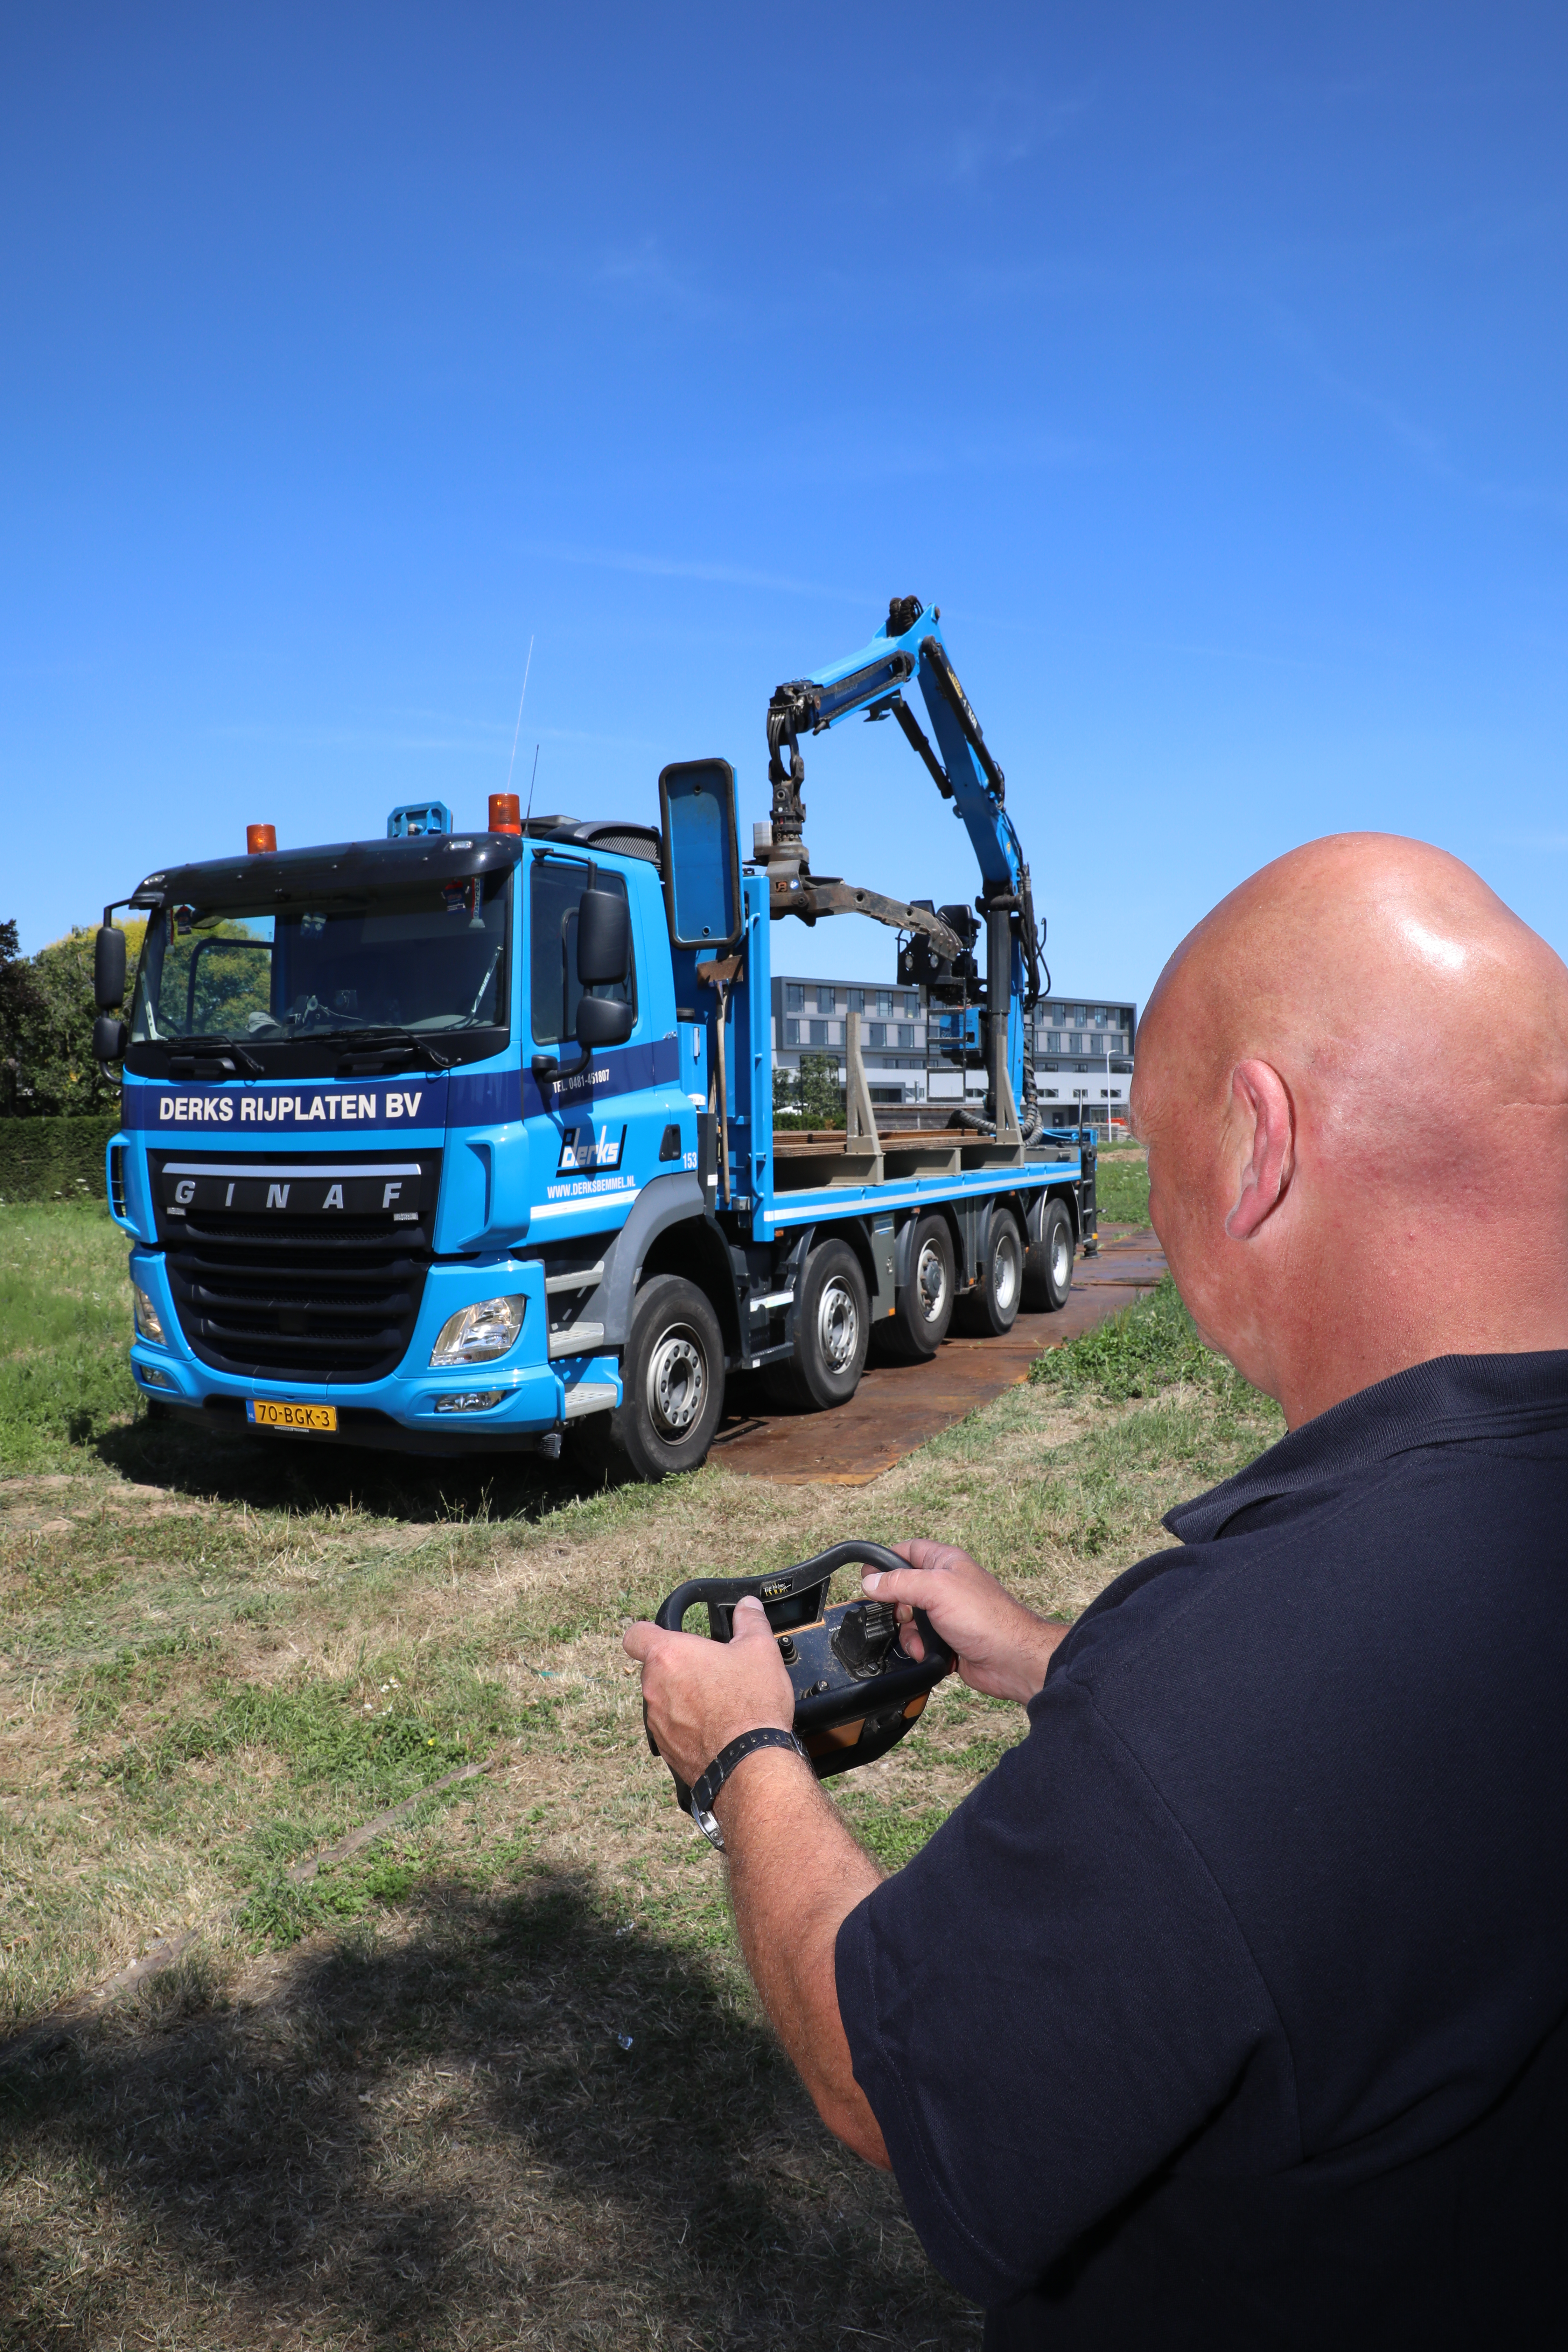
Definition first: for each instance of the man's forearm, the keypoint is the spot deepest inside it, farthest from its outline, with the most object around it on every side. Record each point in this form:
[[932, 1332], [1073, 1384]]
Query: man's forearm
[[795, 1873]]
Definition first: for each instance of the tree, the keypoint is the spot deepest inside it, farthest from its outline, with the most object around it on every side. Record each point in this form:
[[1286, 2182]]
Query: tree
[[19, 1007], [821, 1096], [47, 1013]]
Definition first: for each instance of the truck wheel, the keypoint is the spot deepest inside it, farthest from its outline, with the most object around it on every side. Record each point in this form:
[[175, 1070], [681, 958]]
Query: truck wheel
[[672, 1379], [992, 1306], [1047, 1269], [832, 1325], [918, 1324]]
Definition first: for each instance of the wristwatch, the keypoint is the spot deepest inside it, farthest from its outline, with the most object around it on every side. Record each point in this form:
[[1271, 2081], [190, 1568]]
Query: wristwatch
[[707, 1787]]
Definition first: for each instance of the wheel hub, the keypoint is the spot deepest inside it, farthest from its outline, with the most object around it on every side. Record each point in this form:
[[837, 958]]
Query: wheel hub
[[677, 1382], [837, 1326], [1004, 1273], [931, 1283], [1061, 1256]]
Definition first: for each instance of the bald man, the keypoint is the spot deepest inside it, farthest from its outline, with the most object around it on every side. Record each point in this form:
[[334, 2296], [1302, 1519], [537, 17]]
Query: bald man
[[1228, 2010]]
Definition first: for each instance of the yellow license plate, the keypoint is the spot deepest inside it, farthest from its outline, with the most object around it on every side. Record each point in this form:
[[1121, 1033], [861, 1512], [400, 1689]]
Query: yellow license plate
[[271, 1413]]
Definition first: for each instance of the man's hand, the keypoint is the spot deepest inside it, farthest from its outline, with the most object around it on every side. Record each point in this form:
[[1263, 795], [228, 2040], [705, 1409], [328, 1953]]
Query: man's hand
[[795, 1873], [701, 1695], [1002, 1647]]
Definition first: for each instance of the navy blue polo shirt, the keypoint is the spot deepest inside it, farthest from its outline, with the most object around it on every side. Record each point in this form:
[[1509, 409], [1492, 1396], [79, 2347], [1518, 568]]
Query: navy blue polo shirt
[[1230, 2009]]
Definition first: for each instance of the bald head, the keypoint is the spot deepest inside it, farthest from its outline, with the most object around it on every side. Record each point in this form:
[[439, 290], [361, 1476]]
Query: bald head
[[1354, 1067]]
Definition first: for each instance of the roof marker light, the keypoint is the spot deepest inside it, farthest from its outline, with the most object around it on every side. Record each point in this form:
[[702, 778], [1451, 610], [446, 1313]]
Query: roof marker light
[[260, 840], [504, 813]]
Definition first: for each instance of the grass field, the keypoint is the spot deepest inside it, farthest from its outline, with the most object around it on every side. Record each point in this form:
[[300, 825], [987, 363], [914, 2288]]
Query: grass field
[[1122, 1184], [495, 2077]]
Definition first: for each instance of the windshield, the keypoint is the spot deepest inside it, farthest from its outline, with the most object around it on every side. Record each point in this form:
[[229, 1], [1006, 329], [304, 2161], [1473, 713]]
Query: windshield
[[428, 961]]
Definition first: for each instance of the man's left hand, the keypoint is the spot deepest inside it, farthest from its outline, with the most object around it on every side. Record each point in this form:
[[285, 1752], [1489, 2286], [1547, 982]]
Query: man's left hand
[[701, 1694]]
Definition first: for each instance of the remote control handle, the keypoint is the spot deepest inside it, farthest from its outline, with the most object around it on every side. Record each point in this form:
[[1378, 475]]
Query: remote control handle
[[782, 1583]]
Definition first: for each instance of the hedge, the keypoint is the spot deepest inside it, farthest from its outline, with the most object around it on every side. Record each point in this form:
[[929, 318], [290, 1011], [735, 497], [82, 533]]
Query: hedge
[[53, 1159]]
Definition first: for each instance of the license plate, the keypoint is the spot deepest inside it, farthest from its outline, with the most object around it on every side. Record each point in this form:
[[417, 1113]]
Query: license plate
[[272, 1413]]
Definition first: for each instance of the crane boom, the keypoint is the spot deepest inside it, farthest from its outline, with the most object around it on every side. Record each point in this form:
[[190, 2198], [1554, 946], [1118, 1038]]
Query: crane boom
[[910, 649]]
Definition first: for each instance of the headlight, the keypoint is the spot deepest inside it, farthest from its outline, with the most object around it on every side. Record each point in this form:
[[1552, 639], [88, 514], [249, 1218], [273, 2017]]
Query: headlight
[[147, 1318], [478, 1334]]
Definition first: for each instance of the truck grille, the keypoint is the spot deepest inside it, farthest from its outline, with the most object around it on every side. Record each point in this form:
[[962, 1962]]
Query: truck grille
[[306, 1296]]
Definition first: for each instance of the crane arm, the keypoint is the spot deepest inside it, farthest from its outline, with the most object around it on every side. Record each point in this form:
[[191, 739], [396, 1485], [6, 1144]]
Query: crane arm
[[908, 646]]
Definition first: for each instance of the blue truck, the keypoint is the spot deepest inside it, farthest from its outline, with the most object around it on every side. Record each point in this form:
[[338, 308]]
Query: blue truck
[[451, 1141]]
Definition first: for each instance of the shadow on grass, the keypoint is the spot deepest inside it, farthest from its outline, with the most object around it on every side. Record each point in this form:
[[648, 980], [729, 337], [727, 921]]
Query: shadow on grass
[[446, 2138], [270, 1472]]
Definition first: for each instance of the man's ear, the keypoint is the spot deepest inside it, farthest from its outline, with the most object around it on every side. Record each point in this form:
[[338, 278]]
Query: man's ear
[[1263, 1105]]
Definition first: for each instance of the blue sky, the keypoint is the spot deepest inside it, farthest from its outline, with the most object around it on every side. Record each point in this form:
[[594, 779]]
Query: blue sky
[[1206, 366]]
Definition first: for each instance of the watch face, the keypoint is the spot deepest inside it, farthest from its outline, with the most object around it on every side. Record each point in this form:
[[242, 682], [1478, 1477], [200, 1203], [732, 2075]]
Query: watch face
[[709, 1824]]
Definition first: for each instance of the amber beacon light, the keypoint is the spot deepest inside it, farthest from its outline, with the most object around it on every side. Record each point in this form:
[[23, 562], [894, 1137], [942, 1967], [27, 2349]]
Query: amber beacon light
[[259, 838], [504, 817]]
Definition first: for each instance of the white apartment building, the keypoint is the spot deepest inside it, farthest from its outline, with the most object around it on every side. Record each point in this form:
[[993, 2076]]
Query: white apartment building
[[1083, 1049]]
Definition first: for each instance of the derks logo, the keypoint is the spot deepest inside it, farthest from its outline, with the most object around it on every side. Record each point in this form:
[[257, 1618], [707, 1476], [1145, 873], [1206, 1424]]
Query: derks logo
[[584, 1153]]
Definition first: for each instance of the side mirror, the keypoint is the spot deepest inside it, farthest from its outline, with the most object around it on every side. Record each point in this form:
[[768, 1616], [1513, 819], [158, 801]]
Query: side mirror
[[602, 1021], [108, 968], [603, 940], [108, 1039], [702, 898]]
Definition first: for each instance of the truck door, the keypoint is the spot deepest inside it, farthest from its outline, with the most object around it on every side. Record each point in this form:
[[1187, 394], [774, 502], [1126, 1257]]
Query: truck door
[[595, 1135]]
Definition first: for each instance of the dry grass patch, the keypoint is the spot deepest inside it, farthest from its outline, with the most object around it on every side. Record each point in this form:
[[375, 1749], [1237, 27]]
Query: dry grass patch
[[395, 2103]]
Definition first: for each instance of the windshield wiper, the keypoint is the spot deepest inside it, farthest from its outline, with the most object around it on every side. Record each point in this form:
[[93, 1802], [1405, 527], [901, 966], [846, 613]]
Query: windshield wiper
[[206, 1044], [389, 1037]]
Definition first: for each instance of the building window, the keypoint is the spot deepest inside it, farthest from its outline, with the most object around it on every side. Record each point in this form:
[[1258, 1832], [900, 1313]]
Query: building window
[[906, 1036], [855, 1000], [1082, 1067], [1054, 1042], [795, 996], [1047, 1065], [910, 1004], [1122, 1069], [1075, 1045], [792, 1032], [818, 1032], [825, 1000], [884, 1003], [1052, 1093], [876, 1032]]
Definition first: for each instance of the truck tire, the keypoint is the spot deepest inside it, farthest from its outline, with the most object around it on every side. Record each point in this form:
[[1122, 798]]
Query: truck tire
[[831, 1325], [918, 1324], [1047, 1269], [672, 1379], [991, 1307]]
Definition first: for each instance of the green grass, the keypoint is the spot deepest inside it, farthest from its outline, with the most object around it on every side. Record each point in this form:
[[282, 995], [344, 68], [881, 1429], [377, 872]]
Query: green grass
[[218, 1657], [65, 1333], [1151, 1346], [1121, 1188]]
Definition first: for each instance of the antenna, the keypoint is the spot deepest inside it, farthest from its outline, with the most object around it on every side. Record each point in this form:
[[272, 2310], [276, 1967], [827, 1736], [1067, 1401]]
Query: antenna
[[529, 810], [517, 730]]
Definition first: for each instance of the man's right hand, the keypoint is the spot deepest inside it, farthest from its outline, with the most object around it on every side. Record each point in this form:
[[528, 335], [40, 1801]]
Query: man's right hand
[[1002, 1647]]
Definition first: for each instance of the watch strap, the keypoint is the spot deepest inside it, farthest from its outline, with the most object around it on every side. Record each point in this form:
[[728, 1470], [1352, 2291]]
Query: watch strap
[[707, 1785]]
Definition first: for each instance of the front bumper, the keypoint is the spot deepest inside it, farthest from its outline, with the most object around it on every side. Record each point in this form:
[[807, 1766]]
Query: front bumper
[[537, 1397]]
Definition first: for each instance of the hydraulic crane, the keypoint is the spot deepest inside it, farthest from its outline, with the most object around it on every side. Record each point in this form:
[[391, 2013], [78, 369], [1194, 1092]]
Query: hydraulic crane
[[910, 646]]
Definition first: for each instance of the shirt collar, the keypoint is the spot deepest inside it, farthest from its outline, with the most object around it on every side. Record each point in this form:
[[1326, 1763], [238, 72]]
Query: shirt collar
[[1442, 1402]]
